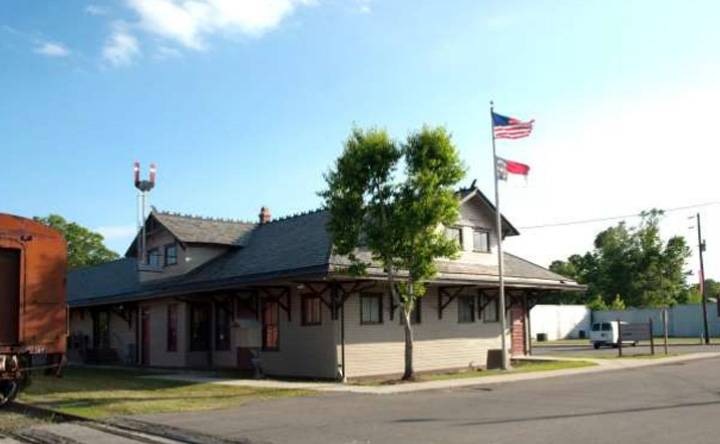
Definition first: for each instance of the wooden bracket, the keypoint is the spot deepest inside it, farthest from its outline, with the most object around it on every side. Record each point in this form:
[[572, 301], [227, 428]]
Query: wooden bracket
[[484, 299], [280, 295], [450, 293], [320, 289]]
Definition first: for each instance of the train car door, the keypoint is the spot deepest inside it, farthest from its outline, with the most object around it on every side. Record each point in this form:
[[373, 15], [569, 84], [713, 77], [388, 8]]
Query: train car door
[[9, 296], [145, 336]]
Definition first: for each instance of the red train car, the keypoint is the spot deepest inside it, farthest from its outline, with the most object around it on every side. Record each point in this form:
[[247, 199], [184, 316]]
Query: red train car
[[33, 306]]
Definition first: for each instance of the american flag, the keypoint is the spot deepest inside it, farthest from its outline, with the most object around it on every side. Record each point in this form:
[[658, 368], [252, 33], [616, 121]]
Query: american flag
[[509, 128]]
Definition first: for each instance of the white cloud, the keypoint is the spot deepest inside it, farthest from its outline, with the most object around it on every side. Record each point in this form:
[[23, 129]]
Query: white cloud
[[96, 10], [189, 22], [166, 52], [121, 48], [620, 156], [52, 49], [121, 232], [363, 6]]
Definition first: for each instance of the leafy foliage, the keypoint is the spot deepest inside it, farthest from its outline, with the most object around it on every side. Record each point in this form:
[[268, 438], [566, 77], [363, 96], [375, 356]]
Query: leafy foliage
[[617, 303], [85, 247], [693, 294], [597, 304], [632, 262], [381, 217]]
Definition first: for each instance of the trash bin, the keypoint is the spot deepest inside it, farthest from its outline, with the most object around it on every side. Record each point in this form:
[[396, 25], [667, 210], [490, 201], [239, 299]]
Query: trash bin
[[542, 337]]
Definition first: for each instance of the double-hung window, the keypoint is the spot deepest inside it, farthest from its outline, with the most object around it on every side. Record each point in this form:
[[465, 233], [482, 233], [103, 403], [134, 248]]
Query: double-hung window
[[311, 309], [171, 257], [153, 257], [172, 327], [490, 311], [454, 233], [371, 308], [466, 309], [481, 241]]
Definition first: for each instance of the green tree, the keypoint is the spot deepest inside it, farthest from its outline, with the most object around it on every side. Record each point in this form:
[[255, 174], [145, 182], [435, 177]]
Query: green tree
[[597, 303], [712, 288], [395, 219], [633, 262], [617, 303], [85, 247]]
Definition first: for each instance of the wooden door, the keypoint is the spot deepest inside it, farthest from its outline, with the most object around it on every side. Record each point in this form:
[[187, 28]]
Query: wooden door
[[145, 336], [9, 296]]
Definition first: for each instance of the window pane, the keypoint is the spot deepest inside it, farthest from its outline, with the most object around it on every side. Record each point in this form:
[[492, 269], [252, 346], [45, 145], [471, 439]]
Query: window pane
[[370, 309], [416, 315], [490, 312], [171, 254], [153, 257], [311, 310], [481, 241], [454, 233], [172, 328], [270, 325], [466, 309]]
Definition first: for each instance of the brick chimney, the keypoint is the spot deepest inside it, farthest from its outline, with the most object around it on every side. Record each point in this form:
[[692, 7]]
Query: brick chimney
[[265, 216]]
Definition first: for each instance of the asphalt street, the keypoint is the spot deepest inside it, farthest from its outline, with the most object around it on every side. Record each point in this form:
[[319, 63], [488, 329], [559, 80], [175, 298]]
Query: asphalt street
[[589, 352], [671, 403]]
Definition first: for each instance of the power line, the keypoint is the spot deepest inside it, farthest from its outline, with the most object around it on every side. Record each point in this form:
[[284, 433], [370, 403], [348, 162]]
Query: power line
[[608, 218]]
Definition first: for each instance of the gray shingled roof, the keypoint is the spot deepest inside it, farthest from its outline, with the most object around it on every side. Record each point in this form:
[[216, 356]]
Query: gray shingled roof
[[295, 243], [282, 248], [103, 281], [191, 229]]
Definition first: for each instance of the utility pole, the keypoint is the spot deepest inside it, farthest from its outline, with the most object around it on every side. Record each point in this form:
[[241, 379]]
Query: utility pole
[[703, 290]]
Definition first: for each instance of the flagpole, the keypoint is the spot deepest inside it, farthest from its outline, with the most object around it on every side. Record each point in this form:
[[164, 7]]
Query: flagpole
[[498, 231]]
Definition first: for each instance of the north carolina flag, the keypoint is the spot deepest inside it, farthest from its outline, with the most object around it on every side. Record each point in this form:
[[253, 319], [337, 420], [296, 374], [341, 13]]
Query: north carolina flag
[[506, 167]]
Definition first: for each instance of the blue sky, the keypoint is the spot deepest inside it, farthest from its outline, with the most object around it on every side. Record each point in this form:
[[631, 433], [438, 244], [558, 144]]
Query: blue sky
[[244, 104]]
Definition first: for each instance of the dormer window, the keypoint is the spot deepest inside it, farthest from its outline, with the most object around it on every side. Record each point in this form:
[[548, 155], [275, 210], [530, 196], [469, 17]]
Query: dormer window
[[171, 257], [481, 241], [153, 257], [454, 233]]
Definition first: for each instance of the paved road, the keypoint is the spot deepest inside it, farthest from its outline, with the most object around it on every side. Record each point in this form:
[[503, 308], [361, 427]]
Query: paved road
[[677, 403], [589, 351]]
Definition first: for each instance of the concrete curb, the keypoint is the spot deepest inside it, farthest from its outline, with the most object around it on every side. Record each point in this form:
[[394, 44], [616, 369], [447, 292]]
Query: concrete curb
[[602, 365]]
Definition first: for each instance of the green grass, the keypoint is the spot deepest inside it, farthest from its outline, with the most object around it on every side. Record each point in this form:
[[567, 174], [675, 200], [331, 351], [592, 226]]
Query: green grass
[[518, 367], [98, 393], [13, 422]]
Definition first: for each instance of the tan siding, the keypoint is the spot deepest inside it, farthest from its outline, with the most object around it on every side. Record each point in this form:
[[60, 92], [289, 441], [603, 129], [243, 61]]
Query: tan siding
[[189, 256], [439, 343], [159, 355], [305, 351]]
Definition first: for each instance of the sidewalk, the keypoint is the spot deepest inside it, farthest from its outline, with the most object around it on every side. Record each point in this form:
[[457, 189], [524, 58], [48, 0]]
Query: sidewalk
[[602, 365]]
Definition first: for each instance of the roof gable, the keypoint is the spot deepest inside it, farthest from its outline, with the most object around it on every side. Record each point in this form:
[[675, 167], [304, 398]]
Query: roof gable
[[468, 194]]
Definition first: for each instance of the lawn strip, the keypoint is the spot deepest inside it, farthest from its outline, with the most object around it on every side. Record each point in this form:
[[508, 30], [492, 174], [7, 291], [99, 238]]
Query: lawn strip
[[100, 393]]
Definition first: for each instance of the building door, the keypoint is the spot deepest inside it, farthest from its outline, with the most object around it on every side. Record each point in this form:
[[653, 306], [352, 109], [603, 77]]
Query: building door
[[517, 330], [145, 336], [9, 296]]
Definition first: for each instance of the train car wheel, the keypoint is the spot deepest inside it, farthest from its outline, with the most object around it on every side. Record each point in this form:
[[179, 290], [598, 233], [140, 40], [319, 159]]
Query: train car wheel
[[8, 391]]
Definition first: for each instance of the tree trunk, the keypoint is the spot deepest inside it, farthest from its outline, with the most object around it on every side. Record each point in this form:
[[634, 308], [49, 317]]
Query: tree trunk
[[409, 374]]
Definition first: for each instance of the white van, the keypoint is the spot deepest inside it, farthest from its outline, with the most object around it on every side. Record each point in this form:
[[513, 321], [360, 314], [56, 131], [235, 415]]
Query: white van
[[607, 333]]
